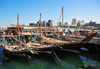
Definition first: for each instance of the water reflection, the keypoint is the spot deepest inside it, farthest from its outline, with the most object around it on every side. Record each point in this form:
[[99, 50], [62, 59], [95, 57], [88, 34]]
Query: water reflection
[[47, 61], [43, 61], [70, 60], [91, 60]]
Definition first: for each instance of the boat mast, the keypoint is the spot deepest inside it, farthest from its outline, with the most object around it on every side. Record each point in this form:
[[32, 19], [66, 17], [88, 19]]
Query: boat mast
[[3, 36], [62, 19], [41, 27], [18, 29]]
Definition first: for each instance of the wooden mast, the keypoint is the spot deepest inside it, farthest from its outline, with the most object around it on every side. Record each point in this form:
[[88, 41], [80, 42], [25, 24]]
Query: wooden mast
[[18, 30], [62, 20], [41, 27], [3, 37]]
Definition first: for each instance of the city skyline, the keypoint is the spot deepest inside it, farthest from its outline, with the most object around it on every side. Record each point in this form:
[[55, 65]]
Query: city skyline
[[29, 10]]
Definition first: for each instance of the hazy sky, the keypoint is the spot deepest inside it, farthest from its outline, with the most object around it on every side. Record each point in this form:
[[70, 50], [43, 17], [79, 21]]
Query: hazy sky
[[29, 10]]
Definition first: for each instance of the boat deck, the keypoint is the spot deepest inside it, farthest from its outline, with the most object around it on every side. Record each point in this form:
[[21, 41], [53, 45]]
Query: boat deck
[[13, 48], [53, 41], [38, 45]]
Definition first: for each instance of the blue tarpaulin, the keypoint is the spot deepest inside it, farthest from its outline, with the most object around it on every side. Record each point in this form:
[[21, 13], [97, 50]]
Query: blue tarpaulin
[[84, 49]]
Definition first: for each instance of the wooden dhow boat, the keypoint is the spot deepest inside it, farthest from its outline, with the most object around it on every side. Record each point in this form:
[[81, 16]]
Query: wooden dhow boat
[[67, 43], [69, 46], [38, 46], [16, 49], [35, 44]]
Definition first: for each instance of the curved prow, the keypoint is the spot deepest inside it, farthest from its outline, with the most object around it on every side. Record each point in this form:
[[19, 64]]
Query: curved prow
[[88, 38]]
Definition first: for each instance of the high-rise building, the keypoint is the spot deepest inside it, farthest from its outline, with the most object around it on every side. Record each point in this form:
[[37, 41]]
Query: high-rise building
[[59, 24], [82, 23], [44, 23], [78, 23], [74, 22], [55, 23], [66, 23], [51, 23]]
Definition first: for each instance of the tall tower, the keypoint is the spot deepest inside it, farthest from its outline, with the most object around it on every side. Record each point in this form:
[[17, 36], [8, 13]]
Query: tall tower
[[74, 21]]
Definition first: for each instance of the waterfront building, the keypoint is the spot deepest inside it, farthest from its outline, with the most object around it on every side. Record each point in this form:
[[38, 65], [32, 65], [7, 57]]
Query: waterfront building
[[59, 24], [78, 23], [3, 27], [66, 23], [55, 23], [82, 23], [44, 23], [96, 24], [52, 23], [33, 24], [92, 23], [74, 22], [49, 23]]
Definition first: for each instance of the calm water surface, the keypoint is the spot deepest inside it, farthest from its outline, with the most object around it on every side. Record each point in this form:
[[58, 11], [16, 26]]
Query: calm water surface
[[45, 61]]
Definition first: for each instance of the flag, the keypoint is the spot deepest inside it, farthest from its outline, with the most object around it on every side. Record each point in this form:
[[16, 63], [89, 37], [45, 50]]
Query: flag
[[19, 27], [4, 33]]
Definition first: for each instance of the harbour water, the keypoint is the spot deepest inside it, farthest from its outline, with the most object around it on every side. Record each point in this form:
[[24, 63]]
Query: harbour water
[[68, 60]]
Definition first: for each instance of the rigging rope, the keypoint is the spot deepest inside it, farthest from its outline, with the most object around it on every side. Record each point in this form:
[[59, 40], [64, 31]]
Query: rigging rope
[[59, 16]]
